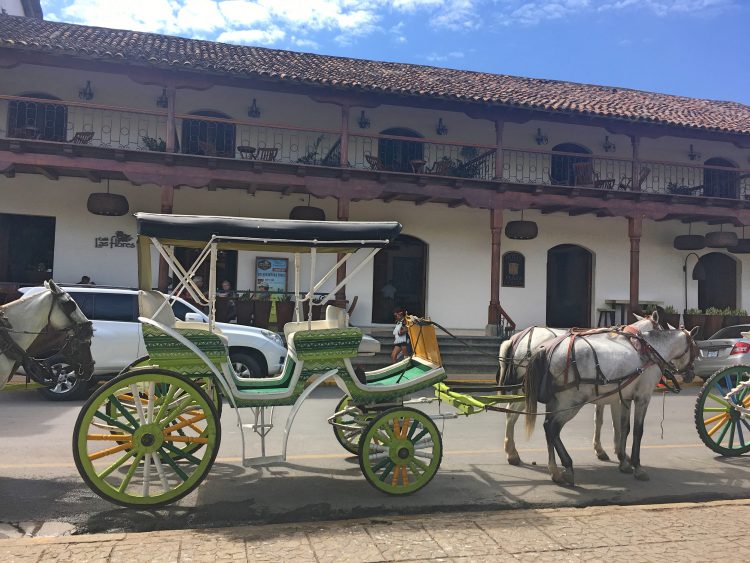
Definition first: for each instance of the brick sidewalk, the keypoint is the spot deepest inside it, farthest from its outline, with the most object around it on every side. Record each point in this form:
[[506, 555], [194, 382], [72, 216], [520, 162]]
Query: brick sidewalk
[[669, 532]]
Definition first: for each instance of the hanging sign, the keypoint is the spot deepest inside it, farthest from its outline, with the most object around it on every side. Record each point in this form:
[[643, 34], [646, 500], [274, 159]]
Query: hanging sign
[[272, 272]]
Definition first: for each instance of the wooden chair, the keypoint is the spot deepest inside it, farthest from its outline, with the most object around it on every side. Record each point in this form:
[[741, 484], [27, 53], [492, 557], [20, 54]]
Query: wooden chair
[[583, 174], [246, 152], [206, 149], [266, 154], [627, 183], [353, 305], [374, 162], [82, 138], [442, 167]]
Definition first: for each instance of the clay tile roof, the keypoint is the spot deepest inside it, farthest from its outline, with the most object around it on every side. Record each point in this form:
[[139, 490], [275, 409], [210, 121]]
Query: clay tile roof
[[396, 78]]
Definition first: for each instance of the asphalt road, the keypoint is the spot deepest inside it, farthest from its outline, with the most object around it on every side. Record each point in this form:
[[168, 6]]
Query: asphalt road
[[320, 481]]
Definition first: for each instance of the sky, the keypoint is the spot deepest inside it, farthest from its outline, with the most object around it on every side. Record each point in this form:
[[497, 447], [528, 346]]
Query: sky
[[696, 48]]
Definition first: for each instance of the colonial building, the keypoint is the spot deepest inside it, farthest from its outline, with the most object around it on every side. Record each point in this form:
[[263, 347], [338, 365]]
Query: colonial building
[[603, 178]]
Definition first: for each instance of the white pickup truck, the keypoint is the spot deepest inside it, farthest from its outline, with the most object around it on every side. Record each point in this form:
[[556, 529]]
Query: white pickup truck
[[118, 341]]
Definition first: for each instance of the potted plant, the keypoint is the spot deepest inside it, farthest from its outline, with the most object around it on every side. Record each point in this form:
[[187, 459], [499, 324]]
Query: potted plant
[[155, 145], [735, 317], [284, 310], [742, 317], [245, 308], [695, 317], [714, 321], [261, 310], [669, 315]]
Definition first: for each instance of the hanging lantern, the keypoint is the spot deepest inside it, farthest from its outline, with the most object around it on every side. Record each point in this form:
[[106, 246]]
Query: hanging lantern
[[721, 239], [689, 241], [307, 213], [521, 230], [742, 246], [105, 203]]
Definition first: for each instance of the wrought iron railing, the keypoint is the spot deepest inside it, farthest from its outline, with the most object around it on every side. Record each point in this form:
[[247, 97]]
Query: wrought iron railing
[[134, 129]]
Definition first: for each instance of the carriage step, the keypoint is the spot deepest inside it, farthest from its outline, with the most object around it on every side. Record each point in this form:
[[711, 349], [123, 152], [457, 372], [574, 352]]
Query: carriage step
[[260, 461]]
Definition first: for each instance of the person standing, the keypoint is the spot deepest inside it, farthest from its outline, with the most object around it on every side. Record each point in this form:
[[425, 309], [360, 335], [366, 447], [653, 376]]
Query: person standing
[[400, 336]]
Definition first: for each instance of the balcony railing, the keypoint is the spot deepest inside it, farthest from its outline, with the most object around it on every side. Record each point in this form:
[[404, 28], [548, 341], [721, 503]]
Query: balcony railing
[[218, 137]]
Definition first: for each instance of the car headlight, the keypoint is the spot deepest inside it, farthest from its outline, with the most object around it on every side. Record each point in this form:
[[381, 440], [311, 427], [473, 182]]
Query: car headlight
[[272, 336]]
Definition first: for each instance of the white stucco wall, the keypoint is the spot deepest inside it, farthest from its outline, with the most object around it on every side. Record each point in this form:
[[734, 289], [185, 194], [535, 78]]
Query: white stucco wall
[[12, 7]]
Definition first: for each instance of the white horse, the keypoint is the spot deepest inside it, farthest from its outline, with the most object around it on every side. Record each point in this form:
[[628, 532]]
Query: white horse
[[569, 375], [514, 358], [47, 314]]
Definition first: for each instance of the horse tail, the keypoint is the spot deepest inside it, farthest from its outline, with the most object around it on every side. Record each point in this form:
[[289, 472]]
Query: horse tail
[[534, 373], [506, 369]]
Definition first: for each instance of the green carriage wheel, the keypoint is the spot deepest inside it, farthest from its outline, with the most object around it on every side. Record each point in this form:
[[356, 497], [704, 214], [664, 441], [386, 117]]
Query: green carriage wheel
[[157, 463], [720, 425], [400, 451], [349, 438]]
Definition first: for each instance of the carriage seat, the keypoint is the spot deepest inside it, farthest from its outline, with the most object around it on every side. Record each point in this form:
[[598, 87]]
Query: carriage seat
[[336, 317], [150, 301]]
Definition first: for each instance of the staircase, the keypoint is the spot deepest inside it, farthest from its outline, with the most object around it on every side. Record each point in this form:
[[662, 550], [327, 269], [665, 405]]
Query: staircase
[[479, 360]]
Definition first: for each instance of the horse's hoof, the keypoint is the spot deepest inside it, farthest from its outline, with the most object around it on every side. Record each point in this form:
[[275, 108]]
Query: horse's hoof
[[568, 476], [625, 467], [602, 456], [557, 476], [514, 459], [641, 475]]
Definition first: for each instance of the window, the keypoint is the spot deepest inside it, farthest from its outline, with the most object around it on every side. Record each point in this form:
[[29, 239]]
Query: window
[[720, 183], [210, 138], [37, 120], [27, 248], [114, 307], [730, 332], [562, 166], [85, 302], [180, 310], [514, 266]]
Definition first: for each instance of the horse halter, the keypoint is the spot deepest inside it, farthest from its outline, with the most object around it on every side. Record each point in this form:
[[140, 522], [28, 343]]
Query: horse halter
[[77, 347]]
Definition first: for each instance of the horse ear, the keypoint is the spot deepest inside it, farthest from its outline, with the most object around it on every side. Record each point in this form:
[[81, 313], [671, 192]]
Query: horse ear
[[637, 317], [670, 327], [655, 317], [694, 331], [53, 287]]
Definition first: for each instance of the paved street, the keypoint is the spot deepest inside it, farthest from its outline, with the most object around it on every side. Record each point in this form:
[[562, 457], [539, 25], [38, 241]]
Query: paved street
[[40, 486]]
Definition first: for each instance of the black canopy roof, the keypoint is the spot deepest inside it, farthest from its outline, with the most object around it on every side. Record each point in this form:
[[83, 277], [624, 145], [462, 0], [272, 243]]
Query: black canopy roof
[[249, 233]]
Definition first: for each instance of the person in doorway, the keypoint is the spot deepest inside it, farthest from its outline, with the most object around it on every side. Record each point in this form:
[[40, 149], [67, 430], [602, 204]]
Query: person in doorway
[[400, 336], [85, 280], [262, 292], [227, 291]]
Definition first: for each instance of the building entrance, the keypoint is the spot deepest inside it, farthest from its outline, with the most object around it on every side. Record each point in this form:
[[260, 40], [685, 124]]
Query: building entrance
[[569, 274], [719, 289], [399, 279], [27, 248]]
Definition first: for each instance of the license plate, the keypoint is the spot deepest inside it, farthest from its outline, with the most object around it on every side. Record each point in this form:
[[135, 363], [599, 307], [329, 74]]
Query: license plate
[[712, 354]]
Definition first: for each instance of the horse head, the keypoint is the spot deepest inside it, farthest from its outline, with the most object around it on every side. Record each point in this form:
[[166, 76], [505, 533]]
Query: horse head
[[65, 317], [676, 348]]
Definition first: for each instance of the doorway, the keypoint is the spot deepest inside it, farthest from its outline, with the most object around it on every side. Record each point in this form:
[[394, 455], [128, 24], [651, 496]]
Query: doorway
[[397, 154], [27, 248], [226, 266], [569, 276], [719, 289], [399, 279]]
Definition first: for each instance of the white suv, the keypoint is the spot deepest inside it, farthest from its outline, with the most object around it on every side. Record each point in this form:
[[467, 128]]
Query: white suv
[[118, 341]]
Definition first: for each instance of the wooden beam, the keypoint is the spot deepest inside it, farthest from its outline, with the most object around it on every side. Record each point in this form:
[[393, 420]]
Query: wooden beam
[[496, 231], [457, 203], [390, 197], [635, 229], [286, 190], [422, 200], [48, 173], [92, 176]]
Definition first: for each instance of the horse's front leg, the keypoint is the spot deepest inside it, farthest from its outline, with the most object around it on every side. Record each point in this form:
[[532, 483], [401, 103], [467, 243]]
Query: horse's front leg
[[641, 406], [510, 443], [598, 421], [625, 463]]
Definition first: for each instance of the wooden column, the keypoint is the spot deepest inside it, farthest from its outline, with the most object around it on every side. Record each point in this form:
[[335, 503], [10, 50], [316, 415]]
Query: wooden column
[[167, 202], [171, 125], [635, 142], [635, 225], [344, 146], [496, 228], [499, 149], [342, 215]]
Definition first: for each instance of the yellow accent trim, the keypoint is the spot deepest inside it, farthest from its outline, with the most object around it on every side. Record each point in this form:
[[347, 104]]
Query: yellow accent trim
[[715, 418], [184, 423], [110, 451], [188, 439], [718, 425], [114, 437]]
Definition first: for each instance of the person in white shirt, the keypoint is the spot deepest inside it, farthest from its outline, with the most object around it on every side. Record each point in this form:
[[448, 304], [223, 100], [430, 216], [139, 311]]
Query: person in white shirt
[[400, 336]]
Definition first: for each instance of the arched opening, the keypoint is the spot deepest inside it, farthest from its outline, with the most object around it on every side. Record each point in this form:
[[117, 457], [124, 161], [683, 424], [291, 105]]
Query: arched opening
[[397, 154], [569, 275], [210, 138], [562, 166], [720, 183], [38, 120], [399, 279], [719, 289]]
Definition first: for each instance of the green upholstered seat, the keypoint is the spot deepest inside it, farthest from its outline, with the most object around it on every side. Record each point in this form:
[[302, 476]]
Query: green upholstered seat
[[168, 353]]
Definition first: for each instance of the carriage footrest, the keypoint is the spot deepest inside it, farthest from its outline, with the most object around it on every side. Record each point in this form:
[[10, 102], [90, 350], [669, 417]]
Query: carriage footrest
[[267, 460]]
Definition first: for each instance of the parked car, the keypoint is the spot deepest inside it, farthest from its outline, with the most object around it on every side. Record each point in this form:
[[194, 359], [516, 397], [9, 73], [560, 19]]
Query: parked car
[[118, 340], [724, 349]]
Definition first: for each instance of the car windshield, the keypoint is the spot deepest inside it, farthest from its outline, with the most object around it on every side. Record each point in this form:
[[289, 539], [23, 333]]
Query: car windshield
[[730, 332]]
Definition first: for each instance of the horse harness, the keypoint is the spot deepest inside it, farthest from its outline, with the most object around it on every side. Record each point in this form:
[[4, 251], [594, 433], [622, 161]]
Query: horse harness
[[34, 368]]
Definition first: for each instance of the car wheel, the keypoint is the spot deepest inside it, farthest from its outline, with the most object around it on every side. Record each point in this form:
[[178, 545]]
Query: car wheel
[[245, 366], [68, 386]]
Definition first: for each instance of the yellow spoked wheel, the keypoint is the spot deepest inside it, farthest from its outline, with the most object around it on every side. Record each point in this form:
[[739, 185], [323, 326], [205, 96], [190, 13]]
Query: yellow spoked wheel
[[147, 438]]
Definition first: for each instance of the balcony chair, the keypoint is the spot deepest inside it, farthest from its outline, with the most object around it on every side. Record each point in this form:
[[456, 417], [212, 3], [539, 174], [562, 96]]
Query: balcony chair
[[82, 138], [627, 183], [266, 154], [443, 167]]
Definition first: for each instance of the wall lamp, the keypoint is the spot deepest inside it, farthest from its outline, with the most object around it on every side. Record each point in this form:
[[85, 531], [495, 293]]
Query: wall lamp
[[162, 101], [363, 121], [253, 110], [692, 155], [86, 93], [539, 138], [441, 129], [608, 146], [699, 273]]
